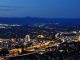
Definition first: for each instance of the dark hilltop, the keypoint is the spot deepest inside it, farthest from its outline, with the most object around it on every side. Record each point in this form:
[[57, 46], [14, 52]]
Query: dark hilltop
[[33, 20]]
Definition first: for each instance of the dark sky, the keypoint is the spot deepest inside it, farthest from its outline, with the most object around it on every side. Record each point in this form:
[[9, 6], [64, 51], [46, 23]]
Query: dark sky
[[40, 8]]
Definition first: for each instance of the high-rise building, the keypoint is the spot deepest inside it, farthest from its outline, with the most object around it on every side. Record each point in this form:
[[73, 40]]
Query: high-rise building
[[27, 38]]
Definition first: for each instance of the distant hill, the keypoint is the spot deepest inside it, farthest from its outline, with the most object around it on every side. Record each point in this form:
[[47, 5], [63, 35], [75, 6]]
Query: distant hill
[[33, 20]]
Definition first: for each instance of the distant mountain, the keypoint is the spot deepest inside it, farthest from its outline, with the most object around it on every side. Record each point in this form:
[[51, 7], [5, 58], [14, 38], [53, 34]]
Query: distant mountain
[[33, 20]]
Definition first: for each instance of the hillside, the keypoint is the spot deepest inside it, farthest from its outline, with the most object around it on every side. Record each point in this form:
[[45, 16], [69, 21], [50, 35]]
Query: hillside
[[33, 20]]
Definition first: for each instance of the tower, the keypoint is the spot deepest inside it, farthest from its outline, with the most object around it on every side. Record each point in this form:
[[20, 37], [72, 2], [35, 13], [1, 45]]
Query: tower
[[27, 38]]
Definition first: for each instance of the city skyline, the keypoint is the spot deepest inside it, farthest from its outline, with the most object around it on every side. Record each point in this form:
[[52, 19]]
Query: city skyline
[[39, 29]]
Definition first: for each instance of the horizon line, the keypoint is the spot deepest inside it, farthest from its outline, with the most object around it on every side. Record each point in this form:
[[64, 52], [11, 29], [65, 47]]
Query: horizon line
[[37, 17]]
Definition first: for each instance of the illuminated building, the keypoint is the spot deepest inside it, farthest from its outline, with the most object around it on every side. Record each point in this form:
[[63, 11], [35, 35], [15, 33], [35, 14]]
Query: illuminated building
[[56, 35], [40, 38], [12, 43], [13, 40], [27, 38], [79, 39], [1, 41], [21, 40]]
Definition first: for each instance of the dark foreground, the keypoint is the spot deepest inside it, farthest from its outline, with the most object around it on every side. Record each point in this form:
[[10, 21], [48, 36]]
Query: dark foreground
[[48, 56]]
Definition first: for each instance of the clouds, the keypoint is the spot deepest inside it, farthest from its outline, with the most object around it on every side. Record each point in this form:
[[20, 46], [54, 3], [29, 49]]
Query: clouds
[[9, 8], [5, 9], [9, 5], [40, 8], [4, 6]]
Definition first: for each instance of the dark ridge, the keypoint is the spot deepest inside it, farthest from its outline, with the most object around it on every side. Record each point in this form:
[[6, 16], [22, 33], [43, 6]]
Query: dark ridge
[[33, 20]]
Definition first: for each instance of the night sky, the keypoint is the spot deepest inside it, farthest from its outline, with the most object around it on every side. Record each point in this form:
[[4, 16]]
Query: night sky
[[40, 8]]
